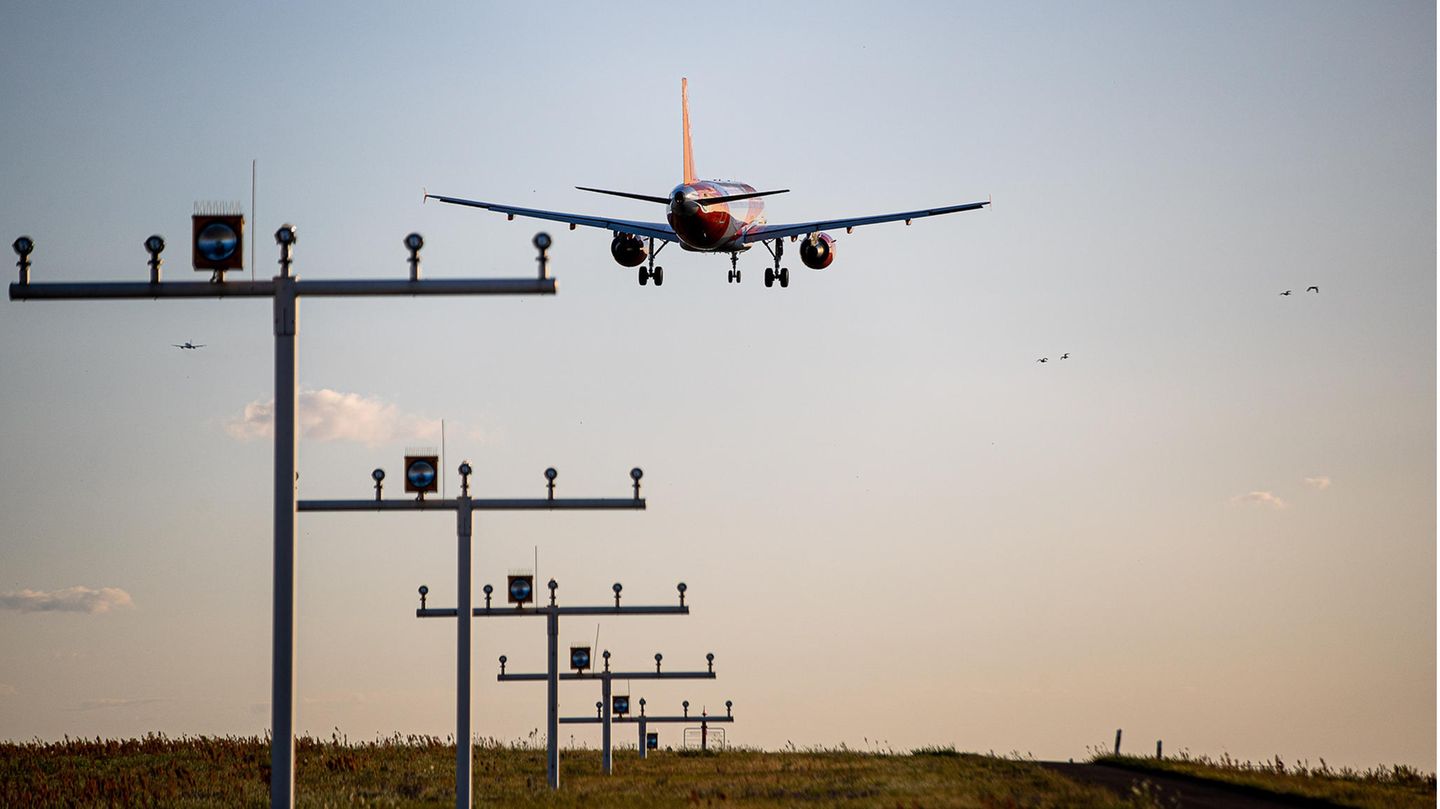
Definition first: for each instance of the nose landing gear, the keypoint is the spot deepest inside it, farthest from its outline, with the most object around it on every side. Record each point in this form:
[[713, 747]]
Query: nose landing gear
[[734, 277]]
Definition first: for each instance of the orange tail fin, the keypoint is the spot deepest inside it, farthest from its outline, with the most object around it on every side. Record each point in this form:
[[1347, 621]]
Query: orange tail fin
[[685, 118]]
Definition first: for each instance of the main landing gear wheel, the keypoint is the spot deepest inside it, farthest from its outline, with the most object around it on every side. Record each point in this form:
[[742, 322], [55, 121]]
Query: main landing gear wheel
[[784, 277], [659, 276], [769, 277], [644, 276]]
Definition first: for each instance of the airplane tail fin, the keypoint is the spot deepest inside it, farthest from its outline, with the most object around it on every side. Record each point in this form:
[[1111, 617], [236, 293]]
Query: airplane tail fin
[[685, 120]]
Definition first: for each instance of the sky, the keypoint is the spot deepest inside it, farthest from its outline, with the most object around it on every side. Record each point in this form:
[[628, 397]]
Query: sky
[[1213, 524]]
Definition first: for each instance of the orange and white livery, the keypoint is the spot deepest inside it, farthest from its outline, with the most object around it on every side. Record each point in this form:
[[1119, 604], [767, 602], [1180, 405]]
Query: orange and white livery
[[710, 216]]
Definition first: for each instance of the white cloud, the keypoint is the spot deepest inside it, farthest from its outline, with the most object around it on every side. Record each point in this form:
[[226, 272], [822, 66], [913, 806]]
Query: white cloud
[[1321, 482], [70, 599], [329, 415], [102, 704], [1261, 500]]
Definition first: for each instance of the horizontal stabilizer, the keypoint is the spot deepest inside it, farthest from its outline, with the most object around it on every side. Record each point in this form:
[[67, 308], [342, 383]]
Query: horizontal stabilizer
[[736, 197], [643, 197]]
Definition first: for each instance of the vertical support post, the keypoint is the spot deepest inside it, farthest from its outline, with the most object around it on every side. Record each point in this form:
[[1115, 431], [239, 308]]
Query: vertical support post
[[644, 737], [1117, 741], [552, 701], [605, 758], [463, 753], [282, 655], [1159, 749], [704, 733]]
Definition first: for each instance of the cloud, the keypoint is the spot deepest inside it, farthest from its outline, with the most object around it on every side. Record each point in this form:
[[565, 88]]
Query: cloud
[[70, 599], [1261, 500], [329, 415], [104, 704], [1321, 482]]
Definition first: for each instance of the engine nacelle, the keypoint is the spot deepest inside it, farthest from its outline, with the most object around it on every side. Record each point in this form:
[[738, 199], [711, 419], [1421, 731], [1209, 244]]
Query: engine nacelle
[[817, 251], [628, 250]]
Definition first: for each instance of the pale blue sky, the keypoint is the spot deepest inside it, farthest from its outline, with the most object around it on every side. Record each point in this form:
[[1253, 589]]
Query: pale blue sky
[[894, 523]]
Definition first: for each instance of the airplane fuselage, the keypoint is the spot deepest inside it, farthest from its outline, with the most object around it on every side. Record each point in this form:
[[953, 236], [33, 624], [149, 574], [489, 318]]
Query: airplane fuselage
[[719, 227]]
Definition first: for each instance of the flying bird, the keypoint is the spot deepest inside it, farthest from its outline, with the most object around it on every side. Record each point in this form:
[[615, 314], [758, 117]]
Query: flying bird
[[1286, 292], [1316, 290], [1043, 359], [1065, 356], [188, 345]]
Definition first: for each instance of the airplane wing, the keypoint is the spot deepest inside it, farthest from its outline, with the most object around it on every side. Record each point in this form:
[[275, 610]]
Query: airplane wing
[[804, 228], [655, 230]]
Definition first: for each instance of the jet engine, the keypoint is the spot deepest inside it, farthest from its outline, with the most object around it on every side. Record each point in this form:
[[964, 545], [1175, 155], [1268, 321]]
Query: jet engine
[[628, 250], [817, 251]]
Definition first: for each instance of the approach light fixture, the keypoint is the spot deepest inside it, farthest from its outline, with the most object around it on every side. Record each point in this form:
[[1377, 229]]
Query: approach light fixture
[[542, 241], [218, 242], [580, 657], [413, 243], [379, 477], [681, 588], [635, 475], [550, 475], [521, 589], [710, 661], [488, 590], [285, 236], [421, 475], [652, 740], [503, 661], [23, 246], [424, 591], [686, 705], [658, 658], [465, 471], [620, 704], [155, 245], [617, 588]]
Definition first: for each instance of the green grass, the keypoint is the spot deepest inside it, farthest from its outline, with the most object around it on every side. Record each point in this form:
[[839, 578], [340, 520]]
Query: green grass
[[419, 771], [1397, 787]]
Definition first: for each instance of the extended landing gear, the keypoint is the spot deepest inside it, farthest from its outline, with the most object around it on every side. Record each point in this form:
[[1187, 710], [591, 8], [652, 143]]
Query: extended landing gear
[[650, 270], [777, 273], [734, 276]]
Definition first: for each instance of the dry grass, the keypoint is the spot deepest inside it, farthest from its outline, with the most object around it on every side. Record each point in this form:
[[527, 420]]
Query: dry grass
[[419, 771], [1396, 787]]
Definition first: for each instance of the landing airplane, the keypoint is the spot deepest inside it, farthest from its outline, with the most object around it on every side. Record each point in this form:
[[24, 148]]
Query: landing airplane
[[188, 345], [710, 216]]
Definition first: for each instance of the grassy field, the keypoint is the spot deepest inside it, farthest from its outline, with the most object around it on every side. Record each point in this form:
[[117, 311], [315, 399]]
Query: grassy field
[[419, 771], [1395, 787]]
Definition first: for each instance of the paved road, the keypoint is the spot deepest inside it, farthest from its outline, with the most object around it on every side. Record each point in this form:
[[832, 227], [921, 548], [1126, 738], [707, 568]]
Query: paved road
[[1181, 793]]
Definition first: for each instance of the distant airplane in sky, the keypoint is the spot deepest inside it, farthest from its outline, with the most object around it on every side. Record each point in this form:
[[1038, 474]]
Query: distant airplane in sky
[[710, 216], [188, 345]]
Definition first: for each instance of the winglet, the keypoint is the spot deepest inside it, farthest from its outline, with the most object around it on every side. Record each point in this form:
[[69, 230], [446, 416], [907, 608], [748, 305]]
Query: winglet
[[685, 122]]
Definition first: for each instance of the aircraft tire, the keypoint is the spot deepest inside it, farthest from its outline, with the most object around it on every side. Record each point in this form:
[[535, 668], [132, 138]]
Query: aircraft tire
[[784, 277], [659, 276], [643, 276], [769, 277]]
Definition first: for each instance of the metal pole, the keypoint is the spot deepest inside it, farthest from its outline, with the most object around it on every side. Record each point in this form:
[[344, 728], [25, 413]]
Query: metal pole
[[644, 739], [463, 778], [605, 758], [552, 702], [282, 657]]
